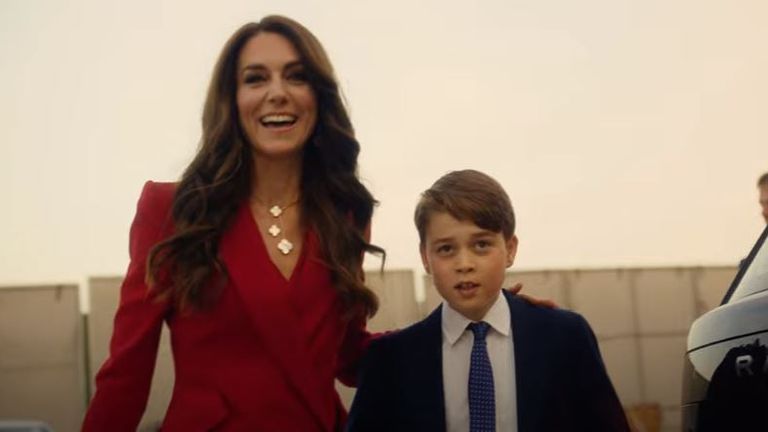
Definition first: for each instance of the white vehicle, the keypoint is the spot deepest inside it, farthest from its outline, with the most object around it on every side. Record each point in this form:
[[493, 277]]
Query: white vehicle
[[725, 382]]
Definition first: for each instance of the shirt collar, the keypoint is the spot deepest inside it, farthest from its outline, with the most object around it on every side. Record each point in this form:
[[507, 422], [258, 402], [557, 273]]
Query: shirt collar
[[454, 323]]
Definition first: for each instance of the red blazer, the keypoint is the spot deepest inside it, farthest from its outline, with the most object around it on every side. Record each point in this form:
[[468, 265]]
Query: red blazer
[[262, 358]]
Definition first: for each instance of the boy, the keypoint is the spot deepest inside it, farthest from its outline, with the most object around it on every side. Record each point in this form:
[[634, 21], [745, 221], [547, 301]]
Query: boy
[[483, 360]]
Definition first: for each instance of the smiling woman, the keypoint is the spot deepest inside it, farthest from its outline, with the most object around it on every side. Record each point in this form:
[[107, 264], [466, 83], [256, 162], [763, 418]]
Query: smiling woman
[[254, 258], [277, 111], [277, 106]]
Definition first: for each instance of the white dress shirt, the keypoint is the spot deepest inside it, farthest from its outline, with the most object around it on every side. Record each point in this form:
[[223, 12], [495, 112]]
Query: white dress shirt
[[457, 348]]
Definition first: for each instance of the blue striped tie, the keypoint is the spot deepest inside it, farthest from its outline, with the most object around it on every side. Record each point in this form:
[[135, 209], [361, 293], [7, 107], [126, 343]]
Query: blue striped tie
[[482, 405]]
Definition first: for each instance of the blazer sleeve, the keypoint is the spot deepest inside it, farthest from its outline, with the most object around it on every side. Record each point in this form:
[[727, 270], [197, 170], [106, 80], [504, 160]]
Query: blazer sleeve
[[123, 382], [600, 408], [372, 399], [353, 347]]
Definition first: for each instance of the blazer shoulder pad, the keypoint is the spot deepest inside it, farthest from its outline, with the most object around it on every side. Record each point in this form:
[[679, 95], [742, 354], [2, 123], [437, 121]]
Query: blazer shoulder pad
[[155, 203], [157, 194]]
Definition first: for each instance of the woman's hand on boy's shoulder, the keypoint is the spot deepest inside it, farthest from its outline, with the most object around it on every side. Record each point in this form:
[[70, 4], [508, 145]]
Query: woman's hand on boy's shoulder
[[547, 303]]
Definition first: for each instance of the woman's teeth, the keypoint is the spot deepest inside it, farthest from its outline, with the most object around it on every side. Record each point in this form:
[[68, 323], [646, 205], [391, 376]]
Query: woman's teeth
[[278, 120]]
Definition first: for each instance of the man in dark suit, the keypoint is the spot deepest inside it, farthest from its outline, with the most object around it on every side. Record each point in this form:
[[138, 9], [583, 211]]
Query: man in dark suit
[[482, 361]]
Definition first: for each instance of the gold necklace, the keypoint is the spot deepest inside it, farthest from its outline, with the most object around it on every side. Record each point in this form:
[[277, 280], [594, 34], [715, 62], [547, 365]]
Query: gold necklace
[[284, 245]]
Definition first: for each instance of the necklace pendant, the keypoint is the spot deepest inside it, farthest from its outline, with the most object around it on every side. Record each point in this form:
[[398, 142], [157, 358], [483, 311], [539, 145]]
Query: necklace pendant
[[274, 230], [285, 246], [276, 210]]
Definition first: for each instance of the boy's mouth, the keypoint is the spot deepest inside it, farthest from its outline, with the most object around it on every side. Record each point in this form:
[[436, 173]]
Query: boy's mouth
[[466, 286]]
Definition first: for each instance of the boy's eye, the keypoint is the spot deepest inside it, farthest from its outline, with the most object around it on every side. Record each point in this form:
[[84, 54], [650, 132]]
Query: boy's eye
[[444, 249], [482, 244]]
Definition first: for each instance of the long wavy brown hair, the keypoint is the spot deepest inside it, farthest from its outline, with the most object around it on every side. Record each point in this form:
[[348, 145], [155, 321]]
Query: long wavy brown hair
[[336, 205]]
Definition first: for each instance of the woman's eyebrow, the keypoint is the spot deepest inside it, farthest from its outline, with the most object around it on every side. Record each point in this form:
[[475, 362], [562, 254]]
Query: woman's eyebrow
[[252, 67], [260, 66]]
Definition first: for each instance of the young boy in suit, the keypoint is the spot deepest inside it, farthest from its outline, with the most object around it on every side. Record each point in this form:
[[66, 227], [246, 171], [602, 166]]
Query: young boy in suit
[[484, 360]]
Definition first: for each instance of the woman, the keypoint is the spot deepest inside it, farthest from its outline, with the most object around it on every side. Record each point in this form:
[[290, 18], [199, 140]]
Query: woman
[[254, 259]]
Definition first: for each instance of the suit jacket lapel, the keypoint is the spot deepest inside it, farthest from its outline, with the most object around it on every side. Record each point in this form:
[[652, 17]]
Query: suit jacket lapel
[[270, 308], [429, 354], [528, 365]]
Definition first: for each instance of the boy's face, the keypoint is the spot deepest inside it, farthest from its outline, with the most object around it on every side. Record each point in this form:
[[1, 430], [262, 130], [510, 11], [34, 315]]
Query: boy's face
[[467, 263]]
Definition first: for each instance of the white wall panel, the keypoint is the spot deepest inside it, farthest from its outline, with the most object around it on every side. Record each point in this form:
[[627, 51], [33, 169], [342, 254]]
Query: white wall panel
[[710, 286], [397, 300], [605, 300], [546, 284], [623, 365], [662, 361], [41, 356], [665, 301]]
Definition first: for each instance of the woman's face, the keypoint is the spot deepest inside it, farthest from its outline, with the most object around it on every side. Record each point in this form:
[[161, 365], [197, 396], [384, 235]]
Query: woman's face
[[276, 105]]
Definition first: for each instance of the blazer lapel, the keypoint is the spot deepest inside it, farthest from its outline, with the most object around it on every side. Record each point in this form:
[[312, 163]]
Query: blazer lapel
[[428, 367], [528, 369], [270, 308]]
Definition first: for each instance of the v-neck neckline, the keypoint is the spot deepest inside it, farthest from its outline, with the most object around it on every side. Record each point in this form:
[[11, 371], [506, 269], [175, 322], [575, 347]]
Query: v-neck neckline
[[263, 246]]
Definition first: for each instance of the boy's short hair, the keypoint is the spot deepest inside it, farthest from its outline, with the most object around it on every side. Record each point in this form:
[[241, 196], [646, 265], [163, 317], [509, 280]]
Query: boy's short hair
[[467, 195]]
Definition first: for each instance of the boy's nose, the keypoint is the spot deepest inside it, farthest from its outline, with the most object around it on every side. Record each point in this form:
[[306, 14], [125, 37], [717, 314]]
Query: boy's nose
[[464, 263]]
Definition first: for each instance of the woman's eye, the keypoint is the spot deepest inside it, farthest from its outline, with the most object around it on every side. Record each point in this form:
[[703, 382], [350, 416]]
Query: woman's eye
[[298, 76], [254, 78]]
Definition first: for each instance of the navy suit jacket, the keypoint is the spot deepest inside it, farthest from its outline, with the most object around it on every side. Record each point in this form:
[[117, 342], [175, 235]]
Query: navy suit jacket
[[561, 382]]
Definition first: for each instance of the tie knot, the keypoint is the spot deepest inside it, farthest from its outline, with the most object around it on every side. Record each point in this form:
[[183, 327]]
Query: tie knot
[[480, 329]]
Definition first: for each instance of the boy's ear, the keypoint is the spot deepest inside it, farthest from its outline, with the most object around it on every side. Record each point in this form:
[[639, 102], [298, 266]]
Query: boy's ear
[[511, 250], [424, 261]]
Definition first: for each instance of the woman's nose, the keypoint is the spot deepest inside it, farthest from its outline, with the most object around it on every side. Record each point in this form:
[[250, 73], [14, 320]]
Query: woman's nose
[[276, 91]]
